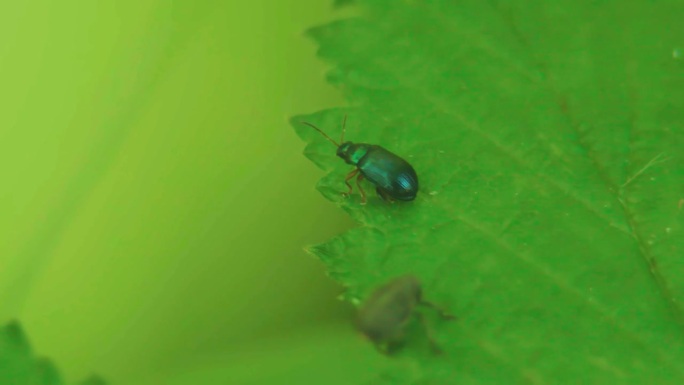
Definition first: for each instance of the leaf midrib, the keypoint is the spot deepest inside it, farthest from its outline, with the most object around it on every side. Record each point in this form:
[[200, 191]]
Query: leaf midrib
[[613, 191], [549, 87]]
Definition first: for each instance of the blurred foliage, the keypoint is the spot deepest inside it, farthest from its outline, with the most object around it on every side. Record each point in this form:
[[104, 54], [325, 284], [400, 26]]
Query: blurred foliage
[[19, 366], [154, 201]]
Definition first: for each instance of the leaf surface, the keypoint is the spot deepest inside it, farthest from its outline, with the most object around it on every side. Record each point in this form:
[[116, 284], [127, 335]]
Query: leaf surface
[[548, 140]]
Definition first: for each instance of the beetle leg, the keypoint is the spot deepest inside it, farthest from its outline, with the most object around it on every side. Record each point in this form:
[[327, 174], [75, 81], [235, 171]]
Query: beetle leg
[[442, 312], [428, 332], [384, 195], [348, 178], [363, 193]]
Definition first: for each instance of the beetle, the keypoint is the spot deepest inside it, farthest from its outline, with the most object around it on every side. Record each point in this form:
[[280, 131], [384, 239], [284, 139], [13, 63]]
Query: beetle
[[384, 315], [393, 177]]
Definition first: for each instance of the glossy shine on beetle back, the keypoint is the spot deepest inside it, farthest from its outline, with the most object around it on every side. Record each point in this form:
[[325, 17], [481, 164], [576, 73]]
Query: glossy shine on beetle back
[[393, 177]]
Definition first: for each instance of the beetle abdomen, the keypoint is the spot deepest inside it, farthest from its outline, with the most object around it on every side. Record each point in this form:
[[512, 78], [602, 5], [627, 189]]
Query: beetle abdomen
[[395, 176]]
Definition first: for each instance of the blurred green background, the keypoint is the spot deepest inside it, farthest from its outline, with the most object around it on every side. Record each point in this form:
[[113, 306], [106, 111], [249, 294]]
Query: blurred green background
[[155, 201]]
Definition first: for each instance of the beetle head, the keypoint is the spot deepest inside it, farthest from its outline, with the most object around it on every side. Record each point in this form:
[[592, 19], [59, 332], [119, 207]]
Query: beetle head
[[351, 152]]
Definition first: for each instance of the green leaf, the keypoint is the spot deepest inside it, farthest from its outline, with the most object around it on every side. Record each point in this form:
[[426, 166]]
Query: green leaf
[[18, 365], [548, 137]]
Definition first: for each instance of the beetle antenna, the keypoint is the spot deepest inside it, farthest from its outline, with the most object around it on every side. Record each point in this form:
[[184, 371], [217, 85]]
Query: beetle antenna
[[323, 133], [344, 128]]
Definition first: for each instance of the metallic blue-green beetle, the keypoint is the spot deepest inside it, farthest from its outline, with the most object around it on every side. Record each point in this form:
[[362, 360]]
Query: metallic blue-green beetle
[[393, 177]]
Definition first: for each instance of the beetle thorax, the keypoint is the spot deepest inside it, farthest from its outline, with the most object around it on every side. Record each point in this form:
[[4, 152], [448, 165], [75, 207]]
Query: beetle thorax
[[351, 152]]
